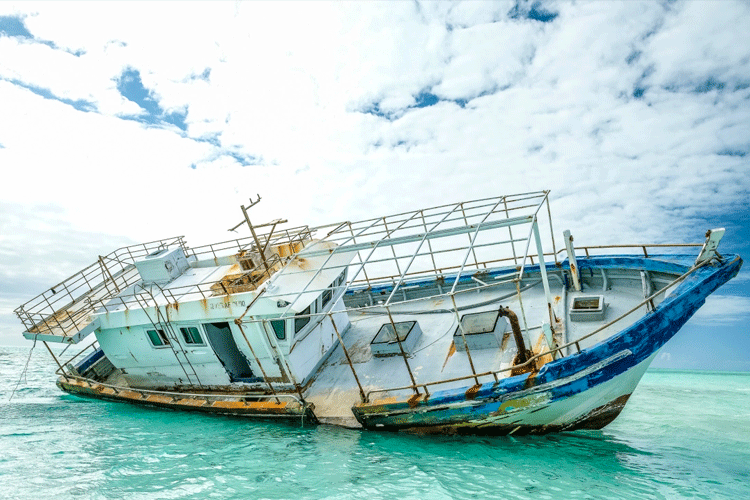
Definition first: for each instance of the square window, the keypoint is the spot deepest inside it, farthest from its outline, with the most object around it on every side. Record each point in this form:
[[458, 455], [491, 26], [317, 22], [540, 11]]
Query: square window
[[279, 328], [327, 295], [191, 335], [301, 319], [157, 338]]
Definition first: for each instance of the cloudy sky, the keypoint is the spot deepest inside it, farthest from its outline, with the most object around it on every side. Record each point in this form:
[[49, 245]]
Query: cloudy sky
[[127, 122]]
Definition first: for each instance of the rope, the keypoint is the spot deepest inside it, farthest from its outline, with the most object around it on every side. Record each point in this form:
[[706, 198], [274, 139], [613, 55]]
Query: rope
[[23, 372]]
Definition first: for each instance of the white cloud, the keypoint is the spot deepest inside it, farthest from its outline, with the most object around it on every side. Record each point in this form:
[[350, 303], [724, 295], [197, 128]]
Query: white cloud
[[723, 310], [287, 84]]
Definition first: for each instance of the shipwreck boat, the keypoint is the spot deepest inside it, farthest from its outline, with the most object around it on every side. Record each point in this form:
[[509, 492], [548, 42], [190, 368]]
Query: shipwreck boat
[[452, 319]]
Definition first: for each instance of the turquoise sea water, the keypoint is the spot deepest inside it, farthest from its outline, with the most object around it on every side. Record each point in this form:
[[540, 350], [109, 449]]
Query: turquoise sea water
[[682, 435]]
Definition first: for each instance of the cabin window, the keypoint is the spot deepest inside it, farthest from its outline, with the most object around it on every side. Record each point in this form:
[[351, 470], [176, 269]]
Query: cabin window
[[301, 319], [191, 335], [279, 328], [157, 337], [327, 297]]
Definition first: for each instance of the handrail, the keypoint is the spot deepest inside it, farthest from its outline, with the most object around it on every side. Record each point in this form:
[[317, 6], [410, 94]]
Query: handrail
[[58, 308], [576, 342]]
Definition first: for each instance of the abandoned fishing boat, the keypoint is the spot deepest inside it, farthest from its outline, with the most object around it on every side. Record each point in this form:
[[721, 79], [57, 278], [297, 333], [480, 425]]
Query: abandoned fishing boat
[[453, 319]]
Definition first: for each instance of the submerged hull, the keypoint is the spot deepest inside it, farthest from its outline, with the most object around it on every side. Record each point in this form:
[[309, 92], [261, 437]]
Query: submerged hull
[[219, 403], [586, 390]]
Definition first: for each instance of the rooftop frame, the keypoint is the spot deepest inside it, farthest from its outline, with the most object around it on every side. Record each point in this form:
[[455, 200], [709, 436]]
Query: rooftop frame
[[433, 234]]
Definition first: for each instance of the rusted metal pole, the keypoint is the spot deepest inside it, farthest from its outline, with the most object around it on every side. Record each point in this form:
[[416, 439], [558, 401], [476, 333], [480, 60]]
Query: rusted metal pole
[[238, 322], [348, 359], [510, 232], [523, 354], [551, 231], [104, 266], [62, 372], [466, 344], [255, 237], [283, 365], [403, 353], [572, 259], [543, 271]]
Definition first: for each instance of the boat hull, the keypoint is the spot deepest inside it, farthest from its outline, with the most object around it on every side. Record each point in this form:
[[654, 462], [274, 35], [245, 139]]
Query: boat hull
[[586, 390], [216, 403]]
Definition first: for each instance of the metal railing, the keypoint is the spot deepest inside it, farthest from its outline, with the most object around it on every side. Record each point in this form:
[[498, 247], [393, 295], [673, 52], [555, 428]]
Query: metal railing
[[64, 309], [550, 352]]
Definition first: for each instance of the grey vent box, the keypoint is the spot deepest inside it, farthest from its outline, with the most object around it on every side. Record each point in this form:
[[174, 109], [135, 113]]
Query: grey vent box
[[162, 266], [483, 330], [588, 308], [385, 344]]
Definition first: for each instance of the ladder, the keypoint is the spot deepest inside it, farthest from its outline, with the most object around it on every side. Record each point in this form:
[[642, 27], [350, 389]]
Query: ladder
[[161, 322]]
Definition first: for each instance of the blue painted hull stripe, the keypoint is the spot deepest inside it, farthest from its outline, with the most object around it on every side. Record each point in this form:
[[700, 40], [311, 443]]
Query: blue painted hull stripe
[[574, 374]]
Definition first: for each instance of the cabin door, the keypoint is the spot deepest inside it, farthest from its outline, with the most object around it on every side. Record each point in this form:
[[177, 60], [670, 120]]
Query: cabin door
[[222, 341]]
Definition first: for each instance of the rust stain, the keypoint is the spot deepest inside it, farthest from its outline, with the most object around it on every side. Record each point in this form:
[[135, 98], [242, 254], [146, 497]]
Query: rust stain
[[204, 305], [384, 401], [504, 342], [267, 405], [451, 352], [531, 380], [191, 402], [414, 400], [472, 391], [228, 404], [158, 398], [130, 394], [524, 369], [541, 346]]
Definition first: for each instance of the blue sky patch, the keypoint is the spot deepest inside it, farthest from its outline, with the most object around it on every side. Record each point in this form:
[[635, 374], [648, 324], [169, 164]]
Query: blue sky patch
[[425, 99], [79, 104], [732, 152], [14, 26], [709, 85], [633, 57], [374, 109], [534, 12], [131, 88], [242, 158]]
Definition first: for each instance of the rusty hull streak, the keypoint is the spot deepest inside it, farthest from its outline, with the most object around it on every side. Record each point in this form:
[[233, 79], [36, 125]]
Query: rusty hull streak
[[451, 352], [256, 409], [597, 418], [472, 391], [415, 399]]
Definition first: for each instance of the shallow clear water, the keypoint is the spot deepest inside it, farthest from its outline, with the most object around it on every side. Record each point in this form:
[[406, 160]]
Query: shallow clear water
[[683, 434]]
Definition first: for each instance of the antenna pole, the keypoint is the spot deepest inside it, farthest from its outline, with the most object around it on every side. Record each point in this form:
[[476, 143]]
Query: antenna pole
[[252, 230]]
